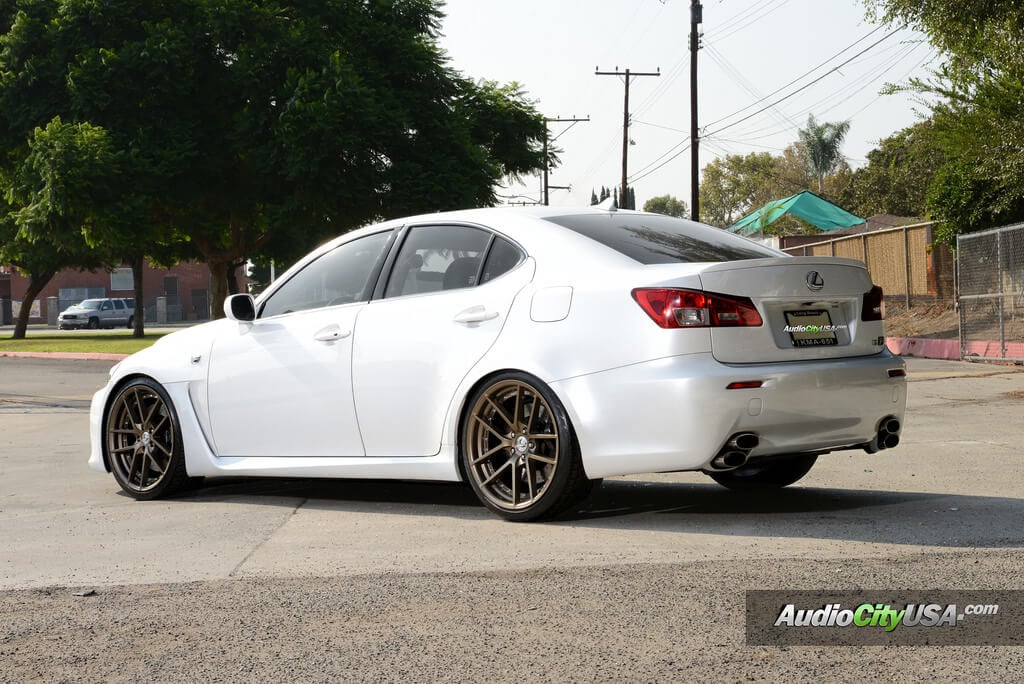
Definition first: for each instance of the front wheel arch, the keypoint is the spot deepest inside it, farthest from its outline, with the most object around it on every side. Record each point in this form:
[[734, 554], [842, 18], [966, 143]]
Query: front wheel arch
[[142, 441]]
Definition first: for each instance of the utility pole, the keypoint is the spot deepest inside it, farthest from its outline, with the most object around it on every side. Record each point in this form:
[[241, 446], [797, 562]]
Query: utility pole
[[696, 17], [573, 121], [624, 192]]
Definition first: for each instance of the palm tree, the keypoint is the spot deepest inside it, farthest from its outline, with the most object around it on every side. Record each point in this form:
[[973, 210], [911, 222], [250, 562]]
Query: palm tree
[[822, 142]]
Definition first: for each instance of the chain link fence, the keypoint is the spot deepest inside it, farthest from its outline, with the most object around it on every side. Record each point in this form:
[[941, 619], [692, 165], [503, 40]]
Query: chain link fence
[[990, 287]]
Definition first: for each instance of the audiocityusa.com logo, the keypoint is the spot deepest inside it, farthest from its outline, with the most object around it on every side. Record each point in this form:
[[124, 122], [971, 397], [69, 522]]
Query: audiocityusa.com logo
[[813, 328], [885, 617], [881, 615]]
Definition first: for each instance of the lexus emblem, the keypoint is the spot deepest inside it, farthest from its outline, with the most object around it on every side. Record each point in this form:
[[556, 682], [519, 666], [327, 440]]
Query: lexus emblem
[[814, 281]]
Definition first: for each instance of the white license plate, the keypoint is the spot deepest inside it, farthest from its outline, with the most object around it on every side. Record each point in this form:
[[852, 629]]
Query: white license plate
[[810, 328]]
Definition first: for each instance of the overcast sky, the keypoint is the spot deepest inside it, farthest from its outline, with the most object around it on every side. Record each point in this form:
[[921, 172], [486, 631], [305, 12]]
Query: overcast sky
[[751, 49]]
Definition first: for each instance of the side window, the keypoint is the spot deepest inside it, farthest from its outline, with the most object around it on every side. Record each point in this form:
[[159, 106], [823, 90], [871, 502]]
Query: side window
[[339, 277], [105, 306], [502, 258], [440, 257], [119, 305]]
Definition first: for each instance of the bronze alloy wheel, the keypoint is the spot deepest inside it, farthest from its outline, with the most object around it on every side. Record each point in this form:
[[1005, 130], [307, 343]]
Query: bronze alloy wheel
[[519, 451], [143, 441]]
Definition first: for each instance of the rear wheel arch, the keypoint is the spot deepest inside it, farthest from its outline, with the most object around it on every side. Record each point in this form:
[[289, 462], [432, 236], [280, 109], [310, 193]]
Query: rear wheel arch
[[550, 474], [463, 413]]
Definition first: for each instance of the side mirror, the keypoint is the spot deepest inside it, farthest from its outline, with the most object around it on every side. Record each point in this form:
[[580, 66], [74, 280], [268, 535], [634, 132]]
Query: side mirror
[[240, 307]]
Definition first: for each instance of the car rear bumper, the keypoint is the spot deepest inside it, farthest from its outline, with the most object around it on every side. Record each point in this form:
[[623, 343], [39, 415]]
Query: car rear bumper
[[676, 413]]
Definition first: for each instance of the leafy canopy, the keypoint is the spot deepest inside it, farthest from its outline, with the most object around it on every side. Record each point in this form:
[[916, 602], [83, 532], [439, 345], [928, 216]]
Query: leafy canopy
[[977, 102], [254, 127]]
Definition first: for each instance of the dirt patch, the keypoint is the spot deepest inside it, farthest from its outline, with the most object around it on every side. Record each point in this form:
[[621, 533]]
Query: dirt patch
[[936, 321]]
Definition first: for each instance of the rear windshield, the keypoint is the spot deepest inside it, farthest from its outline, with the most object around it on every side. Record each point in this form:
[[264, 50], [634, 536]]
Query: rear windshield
[[653, 239]]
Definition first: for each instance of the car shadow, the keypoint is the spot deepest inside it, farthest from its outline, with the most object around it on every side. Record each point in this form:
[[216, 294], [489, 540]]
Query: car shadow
[[887, 517]]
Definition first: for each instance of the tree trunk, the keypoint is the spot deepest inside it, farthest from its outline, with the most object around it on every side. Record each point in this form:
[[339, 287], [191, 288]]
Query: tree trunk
[[233, 287], [36, 283], [138, 328], [218, 286]]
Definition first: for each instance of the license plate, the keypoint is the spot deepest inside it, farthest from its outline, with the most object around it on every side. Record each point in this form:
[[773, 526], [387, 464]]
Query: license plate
[[810, 328]]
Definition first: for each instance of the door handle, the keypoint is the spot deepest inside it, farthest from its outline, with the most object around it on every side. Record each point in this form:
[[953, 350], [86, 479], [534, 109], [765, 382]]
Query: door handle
[[475, 314], [331, 333]]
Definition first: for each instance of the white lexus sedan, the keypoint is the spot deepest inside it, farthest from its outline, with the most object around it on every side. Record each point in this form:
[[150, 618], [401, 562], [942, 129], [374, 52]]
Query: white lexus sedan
[[529, 352]]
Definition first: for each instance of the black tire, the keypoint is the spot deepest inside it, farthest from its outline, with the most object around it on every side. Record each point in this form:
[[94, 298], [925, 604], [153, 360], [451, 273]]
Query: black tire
[[519, 451], [94, 323], [131, 322], [142, 439], [772, 474]]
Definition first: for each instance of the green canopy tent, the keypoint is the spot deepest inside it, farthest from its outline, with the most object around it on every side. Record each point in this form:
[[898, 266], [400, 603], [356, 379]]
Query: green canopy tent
[[806, 205]]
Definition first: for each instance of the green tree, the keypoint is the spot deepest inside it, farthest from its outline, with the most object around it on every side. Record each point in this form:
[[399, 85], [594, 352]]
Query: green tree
[[823, 142], [249, 128], [977, 107], [668, 205], [733, 185], [897, 175], [63, 182]]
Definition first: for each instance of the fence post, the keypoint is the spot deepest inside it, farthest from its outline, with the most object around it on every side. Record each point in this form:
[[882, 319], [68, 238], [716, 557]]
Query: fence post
[[906, 264], [999, 296]]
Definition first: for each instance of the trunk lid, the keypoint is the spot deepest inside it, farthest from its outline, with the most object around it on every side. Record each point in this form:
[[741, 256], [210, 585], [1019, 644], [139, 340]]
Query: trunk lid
[[811, 309]]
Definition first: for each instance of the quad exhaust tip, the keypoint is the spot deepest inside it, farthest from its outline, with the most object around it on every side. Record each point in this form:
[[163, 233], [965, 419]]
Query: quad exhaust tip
[[735, 452]]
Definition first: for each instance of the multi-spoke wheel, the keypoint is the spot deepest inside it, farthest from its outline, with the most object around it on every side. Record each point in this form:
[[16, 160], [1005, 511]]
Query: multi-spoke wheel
[[771, 474], [143, 441], [519, 450]]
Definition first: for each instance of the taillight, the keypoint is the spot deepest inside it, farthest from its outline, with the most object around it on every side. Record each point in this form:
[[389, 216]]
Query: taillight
[[678, 308], [874, 305]]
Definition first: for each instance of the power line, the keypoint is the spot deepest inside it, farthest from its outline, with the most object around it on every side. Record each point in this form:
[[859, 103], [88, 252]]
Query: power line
[[807, 85], [842, 95], [795, 80]]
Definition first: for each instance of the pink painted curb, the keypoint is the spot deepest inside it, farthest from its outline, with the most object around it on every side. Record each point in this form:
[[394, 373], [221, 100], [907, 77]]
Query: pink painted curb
[[950, 349], [93, 356]]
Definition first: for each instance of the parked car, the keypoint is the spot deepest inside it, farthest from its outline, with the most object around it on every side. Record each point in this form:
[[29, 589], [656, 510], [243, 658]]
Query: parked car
[[529, 352], [98, 313]]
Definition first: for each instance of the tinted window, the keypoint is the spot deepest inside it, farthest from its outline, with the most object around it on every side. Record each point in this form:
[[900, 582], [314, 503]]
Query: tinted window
[[662, 239], [339, 277], [436, 258], [106, 306], [502, 258], [118, 304]]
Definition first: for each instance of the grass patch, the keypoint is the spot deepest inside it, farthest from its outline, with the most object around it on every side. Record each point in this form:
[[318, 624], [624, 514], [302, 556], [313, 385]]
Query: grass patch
[[70, 341]]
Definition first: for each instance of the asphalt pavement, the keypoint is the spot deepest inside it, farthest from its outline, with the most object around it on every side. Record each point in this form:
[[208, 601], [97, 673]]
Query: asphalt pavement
[[319, 580]]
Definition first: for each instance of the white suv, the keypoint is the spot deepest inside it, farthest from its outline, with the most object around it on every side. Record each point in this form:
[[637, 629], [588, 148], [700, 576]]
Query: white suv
[[98, 313]]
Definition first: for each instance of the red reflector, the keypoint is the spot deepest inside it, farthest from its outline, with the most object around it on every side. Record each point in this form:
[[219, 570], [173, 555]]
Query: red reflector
[[679, 308], [897, 373], [747, 384]]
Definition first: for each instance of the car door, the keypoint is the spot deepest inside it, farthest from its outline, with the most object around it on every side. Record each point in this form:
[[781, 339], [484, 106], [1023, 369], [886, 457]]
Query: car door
[[106, 314], [446, 299], [119, 316], [282, 386]]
